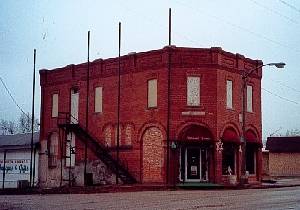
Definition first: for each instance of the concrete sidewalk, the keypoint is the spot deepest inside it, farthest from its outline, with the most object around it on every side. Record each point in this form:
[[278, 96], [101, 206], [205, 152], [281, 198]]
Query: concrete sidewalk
[[280, 182], [269, 182]]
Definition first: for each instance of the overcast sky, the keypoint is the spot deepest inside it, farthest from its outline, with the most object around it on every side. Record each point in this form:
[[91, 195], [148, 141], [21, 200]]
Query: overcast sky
[[268, 30]]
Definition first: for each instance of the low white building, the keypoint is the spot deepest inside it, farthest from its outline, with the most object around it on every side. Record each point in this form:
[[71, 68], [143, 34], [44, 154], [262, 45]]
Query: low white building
[[15, 151]]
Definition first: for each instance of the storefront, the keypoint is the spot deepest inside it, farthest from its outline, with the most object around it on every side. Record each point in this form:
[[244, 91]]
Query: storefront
[[195, 154]]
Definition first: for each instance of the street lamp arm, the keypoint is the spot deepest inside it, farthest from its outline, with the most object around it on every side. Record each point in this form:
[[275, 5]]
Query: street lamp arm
[[277, 65], [246, 74]]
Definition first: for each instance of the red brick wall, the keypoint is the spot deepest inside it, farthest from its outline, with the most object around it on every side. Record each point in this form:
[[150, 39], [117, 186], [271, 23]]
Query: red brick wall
[[284, 164], [213, 65]]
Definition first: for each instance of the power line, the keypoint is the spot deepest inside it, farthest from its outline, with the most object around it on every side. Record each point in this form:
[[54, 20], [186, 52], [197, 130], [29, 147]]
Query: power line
[[290, 6], [285, 85], [12, 98], [242, 28], [275, 12], [151, 20], [283, 98]]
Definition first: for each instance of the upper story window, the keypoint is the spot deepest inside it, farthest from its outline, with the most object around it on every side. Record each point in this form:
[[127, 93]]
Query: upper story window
[[54, 105], [193, 91], [152, 93], [98, 99], [249, 98], [229, 94]]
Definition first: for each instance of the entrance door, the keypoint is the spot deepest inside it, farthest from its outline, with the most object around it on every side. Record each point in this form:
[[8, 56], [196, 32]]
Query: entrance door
[[196, 164], [192, 164]]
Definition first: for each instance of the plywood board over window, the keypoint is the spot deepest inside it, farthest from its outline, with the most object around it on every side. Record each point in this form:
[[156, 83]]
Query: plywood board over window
[[193, 91], [152, 93], [54, 105], [249, 98], [229, 94], [98, 99]]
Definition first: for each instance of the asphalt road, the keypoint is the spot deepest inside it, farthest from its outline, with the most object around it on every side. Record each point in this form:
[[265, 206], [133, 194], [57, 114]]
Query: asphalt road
[[278, 198]]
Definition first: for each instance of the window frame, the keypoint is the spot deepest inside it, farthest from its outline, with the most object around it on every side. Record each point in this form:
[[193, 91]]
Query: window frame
[[232, 148], [227, 102], [189, 103], [52, 104], [149, 106], [100, 98], [249, 104]]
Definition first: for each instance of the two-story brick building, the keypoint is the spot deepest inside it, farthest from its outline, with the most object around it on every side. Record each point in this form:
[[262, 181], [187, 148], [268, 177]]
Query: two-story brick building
[[205, 106]]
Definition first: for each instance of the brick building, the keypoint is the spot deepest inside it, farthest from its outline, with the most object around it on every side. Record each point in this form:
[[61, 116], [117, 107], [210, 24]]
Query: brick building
[[282, 157], [204, 123]]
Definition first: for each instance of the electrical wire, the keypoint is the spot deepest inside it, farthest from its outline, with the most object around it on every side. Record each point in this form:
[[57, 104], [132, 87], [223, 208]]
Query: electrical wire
[[290, 6], [274, 11], [283, 98], [285, 85], [156, 23], [12, 98], [240, 27]]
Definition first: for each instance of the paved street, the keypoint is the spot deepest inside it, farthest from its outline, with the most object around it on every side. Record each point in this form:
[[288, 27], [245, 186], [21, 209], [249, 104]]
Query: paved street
[[278, 198]]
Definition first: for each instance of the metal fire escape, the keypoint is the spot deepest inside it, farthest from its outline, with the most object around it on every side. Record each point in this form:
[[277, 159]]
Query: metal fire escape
[[64, 122]]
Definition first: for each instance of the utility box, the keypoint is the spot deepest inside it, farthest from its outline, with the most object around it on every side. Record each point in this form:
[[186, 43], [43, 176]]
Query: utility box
[[22, 184]]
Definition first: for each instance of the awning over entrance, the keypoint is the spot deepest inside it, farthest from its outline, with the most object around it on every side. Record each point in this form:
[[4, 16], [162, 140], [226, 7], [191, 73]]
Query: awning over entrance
[[251, 137], [196, 133], [230, 135]]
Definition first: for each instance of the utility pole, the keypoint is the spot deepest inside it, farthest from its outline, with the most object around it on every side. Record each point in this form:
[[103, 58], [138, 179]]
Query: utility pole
[[169, 102], [31, 182], [118, 111], [87, 108], [4, 166], [245, 76]]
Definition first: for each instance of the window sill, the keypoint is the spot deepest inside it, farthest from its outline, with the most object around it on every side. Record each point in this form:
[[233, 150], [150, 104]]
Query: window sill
[[152, 108], [195, 107], [98, 113], [250, 112]]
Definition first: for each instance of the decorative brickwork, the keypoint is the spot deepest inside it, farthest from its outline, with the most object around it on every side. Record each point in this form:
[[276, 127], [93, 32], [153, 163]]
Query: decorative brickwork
[[108, 135], [128, 134], [143, 152]]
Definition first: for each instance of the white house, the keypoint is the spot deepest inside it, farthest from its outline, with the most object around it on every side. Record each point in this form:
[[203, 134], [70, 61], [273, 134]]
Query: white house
[[15, 151]]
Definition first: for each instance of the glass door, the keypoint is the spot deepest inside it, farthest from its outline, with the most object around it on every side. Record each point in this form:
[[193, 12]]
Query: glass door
[[196, 164], [193, 169]]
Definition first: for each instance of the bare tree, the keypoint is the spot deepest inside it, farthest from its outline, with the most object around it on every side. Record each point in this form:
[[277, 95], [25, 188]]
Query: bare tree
[[25, 123], [293, 132], [8, 127]]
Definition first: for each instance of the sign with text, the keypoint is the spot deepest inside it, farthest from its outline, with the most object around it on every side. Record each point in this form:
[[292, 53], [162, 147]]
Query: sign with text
[[15, 166]]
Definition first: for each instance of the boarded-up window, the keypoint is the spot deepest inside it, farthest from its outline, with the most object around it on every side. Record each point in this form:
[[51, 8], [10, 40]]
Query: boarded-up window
[[229, 94], [98, 99], [53, 150], [152, 93], [249, 98], [54, 105], [193, 91]]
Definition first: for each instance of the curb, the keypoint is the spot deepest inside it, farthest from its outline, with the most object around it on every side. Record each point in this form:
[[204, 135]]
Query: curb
[[129, 188]]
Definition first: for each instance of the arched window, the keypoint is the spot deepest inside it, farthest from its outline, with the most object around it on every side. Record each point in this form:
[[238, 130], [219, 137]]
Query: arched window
[[229, 153]]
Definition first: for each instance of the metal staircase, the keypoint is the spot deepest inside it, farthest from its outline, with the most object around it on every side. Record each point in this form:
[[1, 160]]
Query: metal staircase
[[101, 151]]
